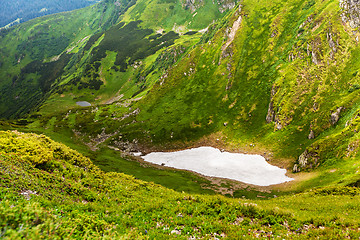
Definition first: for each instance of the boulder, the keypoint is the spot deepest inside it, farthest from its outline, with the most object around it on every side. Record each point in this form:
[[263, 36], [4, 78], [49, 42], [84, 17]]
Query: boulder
[[311, 135], [306, 160], [335, 116]]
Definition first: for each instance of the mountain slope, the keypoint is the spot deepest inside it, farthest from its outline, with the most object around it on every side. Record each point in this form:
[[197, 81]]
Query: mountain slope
[[34, 54], [80, 54], [12, 12], [282, 77]]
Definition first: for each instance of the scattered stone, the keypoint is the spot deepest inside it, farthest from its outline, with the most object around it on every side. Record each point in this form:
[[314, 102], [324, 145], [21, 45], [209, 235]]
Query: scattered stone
[[175, 231], [27, 194], [311, 135]]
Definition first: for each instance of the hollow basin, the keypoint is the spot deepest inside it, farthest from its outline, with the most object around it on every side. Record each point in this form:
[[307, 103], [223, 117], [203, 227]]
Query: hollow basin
[[209, 161]]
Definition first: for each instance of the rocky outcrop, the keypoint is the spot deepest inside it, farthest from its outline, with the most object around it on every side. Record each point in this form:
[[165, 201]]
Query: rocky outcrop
[[226, 5], [270, 117], [307, 160], [192, 5], [335, 116], [351, 12], [231, 35]]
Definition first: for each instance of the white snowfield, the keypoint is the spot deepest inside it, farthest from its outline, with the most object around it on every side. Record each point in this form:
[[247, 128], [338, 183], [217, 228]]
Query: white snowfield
[[251, 169]]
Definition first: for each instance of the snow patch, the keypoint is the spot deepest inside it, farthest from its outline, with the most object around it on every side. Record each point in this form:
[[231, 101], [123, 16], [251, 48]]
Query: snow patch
[[251, 169]]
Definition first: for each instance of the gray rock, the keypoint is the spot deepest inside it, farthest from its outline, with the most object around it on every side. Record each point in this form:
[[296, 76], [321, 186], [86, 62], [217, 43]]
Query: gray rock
[[296, 168], [331, 42], [306, 160], [335, 116], [193, 5], [311, 135], [303, 159], [270, 117], [271, 113], [278, 125], [315, 57]]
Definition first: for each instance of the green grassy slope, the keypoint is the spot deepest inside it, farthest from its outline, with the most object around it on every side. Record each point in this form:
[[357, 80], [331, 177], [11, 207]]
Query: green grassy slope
[[285, 81], [50, 191], [297, 56]]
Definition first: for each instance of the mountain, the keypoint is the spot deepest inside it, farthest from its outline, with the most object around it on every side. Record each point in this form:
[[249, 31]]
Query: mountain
[[276, 78], [17, 11], [282, 77], [70, 53]]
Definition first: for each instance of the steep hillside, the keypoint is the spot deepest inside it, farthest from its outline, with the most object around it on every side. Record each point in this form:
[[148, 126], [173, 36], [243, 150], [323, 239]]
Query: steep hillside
[[276, 78], [100, 54], [279, 79], [50, 191]]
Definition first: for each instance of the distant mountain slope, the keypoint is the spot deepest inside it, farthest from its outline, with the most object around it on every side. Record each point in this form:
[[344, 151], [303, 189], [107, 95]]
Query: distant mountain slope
[[34, 54], [12, 11], [97, 53]]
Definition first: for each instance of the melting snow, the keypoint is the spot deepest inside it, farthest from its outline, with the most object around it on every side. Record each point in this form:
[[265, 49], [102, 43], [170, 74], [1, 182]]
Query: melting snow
[[251, 169]]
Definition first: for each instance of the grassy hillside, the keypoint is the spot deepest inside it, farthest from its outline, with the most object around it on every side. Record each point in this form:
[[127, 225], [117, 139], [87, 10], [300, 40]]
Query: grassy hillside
[[51, 191], [278, 79], [275, 78]]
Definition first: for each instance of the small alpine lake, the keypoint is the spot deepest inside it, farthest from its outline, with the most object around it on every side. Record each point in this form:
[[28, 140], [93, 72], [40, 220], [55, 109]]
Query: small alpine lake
[[209, 161], [83, 104]]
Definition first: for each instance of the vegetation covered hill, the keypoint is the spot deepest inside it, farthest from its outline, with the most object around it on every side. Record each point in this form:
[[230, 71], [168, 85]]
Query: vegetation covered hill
[[100, 53], [281, 77], [278, 78], [50, 191], [17, 11]]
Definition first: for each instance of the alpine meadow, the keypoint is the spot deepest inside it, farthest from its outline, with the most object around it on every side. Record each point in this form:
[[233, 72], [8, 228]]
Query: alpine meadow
[[88, 95]]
